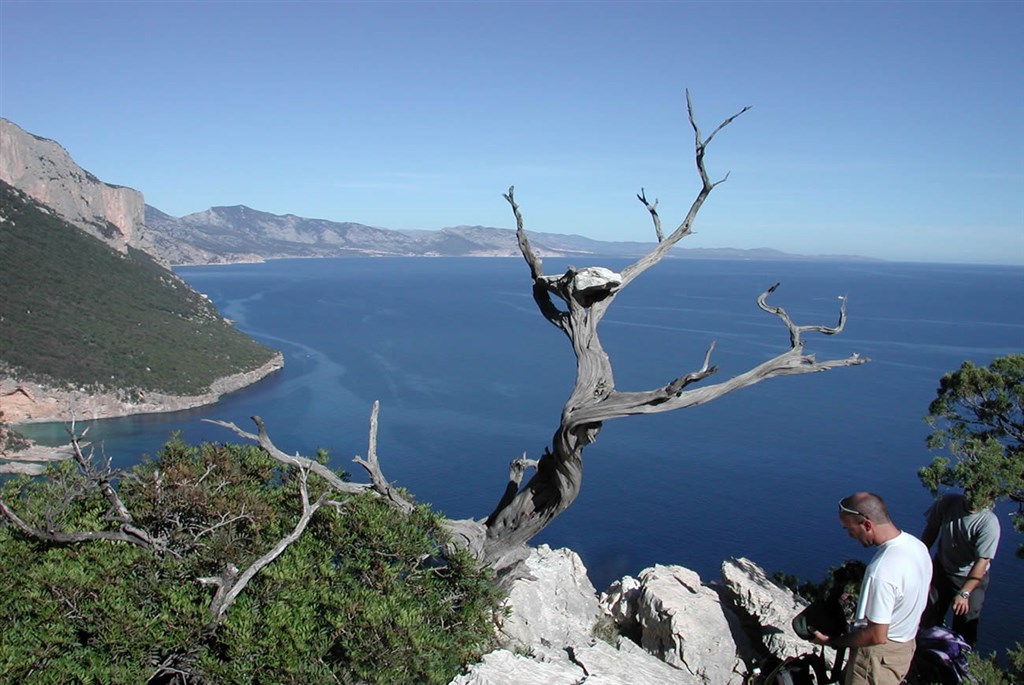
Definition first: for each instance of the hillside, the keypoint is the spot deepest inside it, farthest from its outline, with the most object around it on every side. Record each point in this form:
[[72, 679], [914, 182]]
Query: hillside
[[76, 313], [242, 234]]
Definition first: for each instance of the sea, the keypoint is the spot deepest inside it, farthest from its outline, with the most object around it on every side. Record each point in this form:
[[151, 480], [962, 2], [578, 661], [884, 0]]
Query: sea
[[470, 376]]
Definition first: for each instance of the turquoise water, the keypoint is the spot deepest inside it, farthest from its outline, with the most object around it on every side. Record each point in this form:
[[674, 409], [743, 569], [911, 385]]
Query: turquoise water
[[470, 376]]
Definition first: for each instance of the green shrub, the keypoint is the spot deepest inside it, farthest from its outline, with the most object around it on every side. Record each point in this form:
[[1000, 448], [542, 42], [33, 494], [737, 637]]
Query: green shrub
[[365, 594]]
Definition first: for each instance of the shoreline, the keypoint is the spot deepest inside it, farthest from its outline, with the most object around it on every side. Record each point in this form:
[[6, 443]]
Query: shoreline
[[35, 403]]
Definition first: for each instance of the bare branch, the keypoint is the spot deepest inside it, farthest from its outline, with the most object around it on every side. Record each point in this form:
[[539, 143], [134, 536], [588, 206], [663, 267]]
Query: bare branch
[[225, 521], [703, 372], [685, 228], [101, 478], [794, 330], [128, 534], [672, 396], [524, 243], [264, 443], [372, 467], [378, 487], [516, 470], [653, 209], [542, 285], [229, 587]]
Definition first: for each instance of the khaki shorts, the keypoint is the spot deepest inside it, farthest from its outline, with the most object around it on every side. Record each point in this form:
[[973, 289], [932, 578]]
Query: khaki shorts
[[884, 664]]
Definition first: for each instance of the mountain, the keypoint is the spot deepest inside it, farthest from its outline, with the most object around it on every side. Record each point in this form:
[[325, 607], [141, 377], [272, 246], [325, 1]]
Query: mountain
[[91, 324], [243, 234], [44, 170]]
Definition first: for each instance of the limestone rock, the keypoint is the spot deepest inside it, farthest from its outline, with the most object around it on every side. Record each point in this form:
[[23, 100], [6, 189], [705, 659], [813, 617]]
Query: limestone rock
[[684, 623], [46, 403], [766, 604], [619, 602], [689, 632], [549, 635], [597, 664], [558, 605], [44, 170]]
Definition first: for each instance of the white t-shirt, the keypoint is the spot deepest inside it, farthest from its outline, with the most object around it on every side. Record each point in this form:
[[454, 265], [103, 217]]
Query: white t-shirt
[[895, 587]]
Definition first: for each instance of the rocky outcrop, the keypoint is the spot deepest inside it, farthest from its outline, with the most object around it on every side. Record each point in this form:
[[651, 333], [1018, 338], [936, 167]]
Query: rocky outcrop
[[44, 170], [768, 607], [549, 635], [671, 626], [39, 403], [684, 623]]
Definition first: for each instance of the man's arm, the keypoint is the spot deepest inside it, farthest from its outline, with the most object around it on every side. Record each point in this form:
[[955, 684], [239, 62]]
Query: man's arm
[[974, 577], [871, 634]]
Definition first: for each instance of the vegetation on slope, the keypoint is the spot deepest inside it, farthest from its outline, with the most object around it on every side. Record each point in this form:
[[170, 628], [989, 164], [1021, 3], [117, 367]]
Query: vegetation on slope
[[74, 311], [365, 594]]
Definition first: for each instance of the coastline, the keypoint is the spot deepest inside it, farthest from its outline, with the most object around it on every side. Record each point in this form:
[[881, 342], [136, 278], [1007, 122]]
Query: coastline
[[36, 403]]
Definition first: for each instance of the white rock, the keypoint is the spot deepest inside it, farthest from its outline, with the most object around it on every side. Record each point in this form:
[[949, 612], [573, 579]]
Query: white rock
[[549, 633], [502, 667], [596, 664], [595, 278], [770, 605], [619, 602], [557, 606], [684, 623]]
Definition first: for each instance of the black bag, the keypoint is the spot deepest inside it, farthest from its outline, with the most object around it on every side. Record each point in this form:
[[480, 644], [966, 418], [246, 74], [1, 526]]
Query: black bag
[[806, 669], [832, 612]]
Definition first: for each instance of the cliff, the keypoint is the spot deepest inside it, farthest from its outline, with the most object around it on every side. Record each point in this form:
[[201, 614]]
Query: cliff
[[45, 171]]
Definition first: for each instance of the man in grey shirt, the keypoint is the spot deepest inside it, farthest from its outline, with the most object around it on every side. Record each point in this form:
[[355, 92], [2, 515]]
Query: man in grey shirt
[[968, 534]]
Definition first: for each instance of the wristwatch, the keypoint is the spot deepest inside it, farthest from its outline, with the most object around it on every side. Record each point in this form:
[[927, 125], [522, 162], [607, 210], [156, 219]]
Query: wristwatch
[[965, 595]]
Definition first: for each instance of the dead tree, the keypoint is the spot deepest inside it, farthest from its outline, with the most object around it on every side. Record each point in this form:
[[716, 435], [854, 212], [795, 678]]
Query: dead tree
[[575, 302]]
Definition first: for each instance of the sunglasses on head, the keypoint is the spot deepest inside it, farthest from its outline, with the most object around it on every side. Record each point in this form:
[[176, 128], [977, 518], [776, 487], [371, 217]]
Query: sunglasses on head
[[847, 510]]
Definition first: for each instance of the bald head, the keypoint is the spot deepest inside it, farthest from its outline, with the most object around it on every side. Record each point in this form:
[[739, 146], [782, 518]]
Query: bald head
[[866, 504]]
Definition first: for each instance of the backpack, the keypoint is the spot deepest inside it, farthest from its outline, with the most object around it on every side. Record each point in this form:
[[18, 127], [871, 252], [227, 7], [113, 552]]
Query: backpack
[[832, 612], [806, 669], [940, 658]]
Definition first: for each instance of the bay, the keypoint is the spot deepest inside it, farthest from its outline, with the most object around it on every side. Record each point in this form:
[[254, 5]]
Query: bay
[[470, 376]]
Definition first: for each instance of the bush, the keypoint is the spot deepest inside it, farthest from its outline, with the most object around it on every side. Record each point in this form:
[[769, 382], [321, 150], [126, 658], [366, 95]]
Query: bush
[[365, 594]]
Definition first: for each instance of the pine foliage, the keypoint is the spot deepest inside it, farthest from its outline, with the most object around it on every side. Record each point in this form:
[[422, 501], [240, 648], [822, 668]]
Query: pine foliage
[[365, 595]]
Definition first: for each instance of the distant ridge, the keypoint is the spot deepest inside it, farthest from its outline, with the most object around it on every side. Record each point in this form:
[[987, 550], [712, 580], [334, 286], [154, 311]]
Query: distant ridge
[[242, 234]]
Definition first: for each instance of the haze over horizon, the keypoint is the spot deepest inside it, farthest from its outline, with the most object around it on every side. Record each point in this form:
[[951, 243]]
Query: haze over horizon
[[889, 130]]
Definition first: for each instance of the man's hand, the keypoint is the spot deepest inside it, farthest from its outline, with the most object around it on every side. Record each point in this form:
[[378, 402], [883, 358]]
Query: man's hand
[[820, 638], [960, 605]]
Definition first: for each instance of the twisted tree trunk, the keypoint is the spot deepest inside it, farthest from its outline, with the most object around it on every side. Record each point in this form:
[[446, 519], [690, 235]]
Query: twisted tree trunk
[[575, 302]]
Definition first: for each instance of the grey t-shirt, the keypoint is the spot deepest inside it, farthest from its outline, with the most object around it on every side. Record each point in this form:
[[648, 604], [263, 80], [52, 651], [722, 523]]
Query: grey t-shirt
[[964, 537]]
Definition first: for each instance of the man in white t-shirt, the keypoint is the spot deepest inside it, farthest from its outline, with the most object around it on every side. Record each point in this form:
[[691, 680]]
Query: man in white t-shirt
[[892, 597]]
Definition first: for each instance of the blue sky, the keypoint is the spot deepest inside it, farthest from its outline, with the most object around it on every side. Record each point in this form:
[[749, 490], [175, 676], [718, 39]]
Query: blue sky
[[886, 129]]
